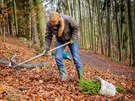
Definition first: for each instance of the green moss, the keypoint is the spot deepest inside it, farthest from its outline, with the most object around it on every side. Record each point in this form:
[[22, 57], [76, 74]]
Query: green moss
[[120, 89], [89, 86]]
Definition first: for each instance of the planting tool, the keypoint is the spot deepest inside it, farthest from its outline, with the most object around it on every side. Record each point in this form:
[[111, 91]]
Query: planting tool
[[14, 64]]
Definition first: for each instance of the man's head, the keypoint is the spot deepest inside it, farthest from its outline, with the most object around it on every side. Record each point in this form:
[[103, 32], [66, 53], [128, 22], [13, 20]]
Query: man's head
[[54, 18]]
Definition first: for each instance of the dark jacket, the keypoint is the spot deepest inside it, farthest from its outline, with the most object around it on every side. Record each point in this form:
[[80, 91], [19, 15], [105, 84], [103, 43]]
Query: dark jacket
[[70, 31]]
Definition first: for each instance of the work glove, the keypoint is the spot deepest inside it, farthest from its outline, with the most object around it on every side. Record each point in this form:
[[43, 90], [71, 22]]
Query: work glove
[[71, 41], [45, 52]]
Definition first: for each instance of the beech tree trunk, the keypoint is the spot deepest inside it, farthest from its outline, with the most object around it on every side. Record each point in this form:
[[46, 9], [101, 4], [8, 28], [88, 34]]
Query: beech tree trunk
[[131, 30]]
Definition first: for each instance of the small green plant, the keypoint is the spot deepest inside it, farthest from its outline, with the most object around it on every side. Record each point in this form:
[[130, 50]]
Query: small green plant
[[89, 86], [119, 89], [23, 39], [17, 51]]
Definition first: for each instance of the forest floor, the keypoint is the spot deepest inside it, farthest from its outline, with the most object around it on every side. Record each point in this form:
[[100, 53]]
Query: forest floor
[[106, 64], [43, 84]]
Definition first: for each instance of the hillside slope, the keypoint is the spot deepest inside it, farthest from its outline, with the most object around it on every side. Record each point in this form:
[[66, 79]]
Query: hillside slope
[[43, 84]]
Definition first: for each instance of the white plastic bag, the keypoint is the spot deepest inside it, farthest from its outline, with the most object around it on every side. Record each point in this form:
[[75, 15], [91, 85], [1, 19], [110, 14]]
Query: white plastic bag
[[106, 88]]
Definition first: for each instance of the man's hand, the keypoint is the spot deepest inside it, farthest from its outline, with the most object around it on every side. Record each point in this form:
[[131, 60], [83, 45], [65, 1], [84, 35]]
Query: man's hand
[[71, 41], [45, 52]]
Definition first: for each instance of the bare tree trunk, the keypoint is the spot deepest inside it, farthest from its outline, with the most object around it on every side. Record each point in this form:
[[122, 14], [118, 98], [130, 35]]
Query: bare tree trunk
[[134, 11], [91, 5], [99, 26], [74, 6], [11, 18], [67, 8], [35, 37], [34, 33], [0, 26], [94, 26], [41, 21], [131, 29], [15, 17], [84, 24], [108, 28], [3, 22], [71, 7], [8, 28], [30, 32], [118, 32], [80, 20], [89, 27]]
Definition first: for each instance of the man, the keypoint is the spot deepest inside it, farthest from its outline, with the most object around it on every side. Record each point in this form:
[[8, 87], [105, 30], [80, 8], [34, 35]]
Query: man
[[65, 29]]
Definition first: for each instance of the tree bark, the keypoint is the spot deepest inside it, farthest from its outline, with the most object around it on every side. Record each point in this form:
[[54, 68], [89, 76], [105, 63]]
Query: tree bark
[[91, 26], [35, 38], [41, 21], [118, 32], [131, 30], [11, 18], [15, 17], [108, 28], [74, 6], [80, 21], [3, 22], [100, 27]]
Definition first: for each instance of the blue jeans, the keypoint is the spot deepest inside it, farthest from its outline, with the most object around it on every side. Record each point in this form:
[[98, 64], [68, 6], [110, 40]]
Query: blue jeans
[[74, 51]]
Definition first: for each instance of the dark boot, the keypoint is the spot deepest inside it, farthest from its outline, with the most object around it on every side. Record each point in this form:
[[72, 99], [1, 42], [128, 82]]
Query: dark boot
[[80, 73], [62, 72]]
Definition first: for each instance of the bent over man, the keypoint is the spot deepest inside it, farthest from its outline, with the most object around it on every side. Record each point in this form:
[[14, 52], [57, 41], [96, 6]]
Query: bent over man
[[65, 28]]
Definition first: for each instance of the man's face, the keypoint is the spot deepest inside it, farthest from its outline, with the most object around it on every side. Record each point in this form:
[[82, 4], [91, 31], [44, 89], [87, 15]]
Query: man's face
[[54, 19], [54, 23]]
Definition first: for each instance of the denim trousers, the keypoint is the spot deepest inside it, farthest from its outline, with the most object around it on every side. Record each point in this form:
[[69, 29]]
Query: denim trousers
[[74, 51]]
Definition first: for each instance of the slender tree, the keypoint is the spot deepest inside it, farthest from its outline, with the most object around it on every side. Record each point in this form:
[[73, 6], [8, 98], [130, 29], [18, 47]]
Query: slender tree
[[108, 27], [99, 12], [35, 38], [41, 21], [74, 7], [131, 29], [3, 21], [80, 21], [15, 16], [118, 31], [11, 18], [91, 25]]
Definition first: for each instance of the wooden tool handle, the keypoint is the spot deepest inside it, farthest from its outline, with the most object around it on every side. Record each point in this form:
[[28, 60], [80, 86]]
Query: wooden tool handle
[[41, 54]]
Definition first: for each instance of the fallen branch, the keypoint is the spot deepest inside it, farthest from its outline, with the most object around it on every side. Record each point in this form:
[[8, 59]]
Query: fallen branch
[[27, 66]]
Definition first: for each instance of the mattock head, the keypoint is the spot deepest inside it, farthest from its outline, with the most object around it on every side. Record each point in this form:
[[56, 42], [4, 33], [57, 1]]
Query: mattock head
[[13, 61]]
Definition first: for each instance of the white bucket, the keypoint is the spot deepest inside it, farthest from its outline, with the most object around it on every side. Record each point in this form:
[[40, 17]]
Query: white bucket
[[106, 88]]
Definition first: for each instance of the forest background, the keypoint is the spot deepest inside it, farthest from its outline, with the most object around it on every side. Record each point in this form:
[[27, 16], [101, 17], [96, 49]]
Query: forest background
[[106, 26]]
